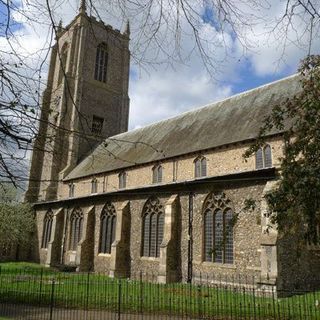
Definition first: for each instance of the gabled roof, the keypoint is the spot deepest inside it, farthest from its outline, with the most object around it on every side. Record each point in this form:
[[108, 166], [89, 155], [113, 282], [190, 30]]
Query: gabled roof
[[231, 120]]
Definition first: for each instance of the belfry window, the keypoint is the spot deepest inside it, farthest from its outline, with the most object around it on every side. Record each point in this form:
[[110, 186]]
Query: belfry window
[[218, 229], [47, 227], [94, 185], [97, 125], [157, 174], [76, 225], [200, 167], [122, 180], [107, 228], [264, 157], [153, 227], [100, 72], [71, 190]]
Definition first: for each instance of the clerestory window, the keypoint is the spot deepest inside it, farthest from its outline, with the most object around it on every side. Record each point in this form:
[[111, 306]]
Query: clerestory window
[[264, 157]]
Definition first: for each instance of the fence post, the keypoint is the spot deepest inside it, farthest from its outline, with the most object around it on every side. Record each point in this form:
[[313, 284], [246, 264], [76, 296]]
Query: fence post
[[119, 299], [199, 301], [87, 292], [52, 299], [141, 293], [40, 289]]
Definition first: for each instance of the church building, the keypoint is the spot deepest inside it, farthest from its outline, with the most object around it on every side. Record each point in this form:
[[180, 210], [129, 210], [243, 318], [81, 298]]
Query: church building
[[168, 199]]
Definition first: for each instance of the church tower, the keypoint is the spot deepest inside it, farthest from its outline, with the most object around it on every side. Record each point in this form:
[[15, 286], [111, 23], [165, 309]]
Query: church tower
[[85, 101]]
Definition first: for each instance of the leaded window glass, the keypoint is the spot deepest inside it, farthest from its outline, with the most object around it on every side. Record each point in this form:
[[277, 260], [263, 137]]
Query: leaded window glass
[[200, 167], [153, 228], [101, 66], [76, 225], [94, 186], [47, 228], [107, 228], [157, 174], [122, 180], [264, 157], [218, 229]]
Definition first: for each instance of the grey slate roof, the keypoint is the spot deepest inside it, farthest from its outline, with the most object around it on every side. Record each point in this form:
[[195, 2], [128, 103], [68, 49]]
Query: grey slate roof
[[234, 119]]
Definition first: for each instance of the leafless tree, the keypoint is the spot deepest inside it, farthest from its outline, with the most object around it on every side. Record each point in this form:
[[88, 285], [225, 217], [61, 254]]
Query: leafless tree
[[162, 32]]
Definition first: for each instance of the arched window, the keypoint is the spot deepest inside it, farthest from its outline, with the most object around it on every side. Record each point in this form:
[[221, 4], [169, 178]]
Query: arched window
[[200, 167], [76, 225], [63, 62], [47, 227], [264, 157], [153, 226], [71, 190], [100, 72], [107, 228], [94, 185], [122, 180], [218, 229], [157, 174]]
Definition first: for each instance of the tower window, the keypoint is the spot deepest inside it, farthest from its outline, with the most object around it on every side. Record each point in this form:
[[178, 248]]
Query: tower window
[[157, 174], [264, 157], [97, 125], [122, 180], [200, 167], [100, 72]]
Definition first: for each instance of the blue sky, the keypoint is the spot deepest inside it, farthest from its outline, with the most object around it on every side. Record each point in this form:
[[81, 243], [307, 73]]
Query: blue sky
[[162, 92]]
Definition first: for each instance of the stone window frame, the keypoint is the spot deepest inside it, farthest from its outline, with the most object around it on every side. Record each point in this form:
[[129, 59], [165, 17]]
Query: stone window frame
[[152, 228], [101, 63], [122, 180], [76, 228], [94, 186], [71, 189], [263, 157], [214, 204], [47, 229], [108, 221], [200, 167], [157, 173]]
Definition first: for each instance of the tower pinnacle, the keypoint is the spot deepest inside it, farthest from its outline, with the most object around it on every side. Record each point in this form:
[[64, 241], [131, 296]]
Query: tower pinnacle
[[127, 30], [83, 6]]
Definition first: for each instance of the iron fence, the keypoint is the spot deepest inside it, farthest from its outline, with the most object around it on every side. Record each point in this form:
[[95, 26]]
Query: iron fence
[[46, 294]]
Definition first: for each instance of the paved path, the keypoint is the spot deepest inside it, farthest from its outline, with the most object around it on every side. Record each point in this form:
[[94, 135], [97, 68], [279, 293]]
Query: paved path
[[26, 312]]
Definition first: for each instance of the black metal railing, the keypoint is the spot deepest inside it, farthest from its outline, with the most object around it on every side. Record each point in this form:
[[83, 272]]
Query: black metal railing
[[46, 294]]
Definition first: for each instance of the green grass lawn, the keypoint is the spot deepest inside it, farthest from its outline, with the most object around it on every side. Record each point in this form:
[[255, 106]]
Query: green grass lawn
[[30, 283]]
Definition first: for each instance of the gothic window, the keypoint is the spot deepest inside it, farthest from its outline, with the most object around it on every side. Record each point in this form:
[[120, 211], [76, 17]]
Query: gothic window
[[200, 167], [122, 180], [47, 227], [76, 225], [157, 174], [94, 185], [153, 227], [63, 62], [218, 229], [264, 157], [100, 72], [71, 190], [107, 228], [97, 125]]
